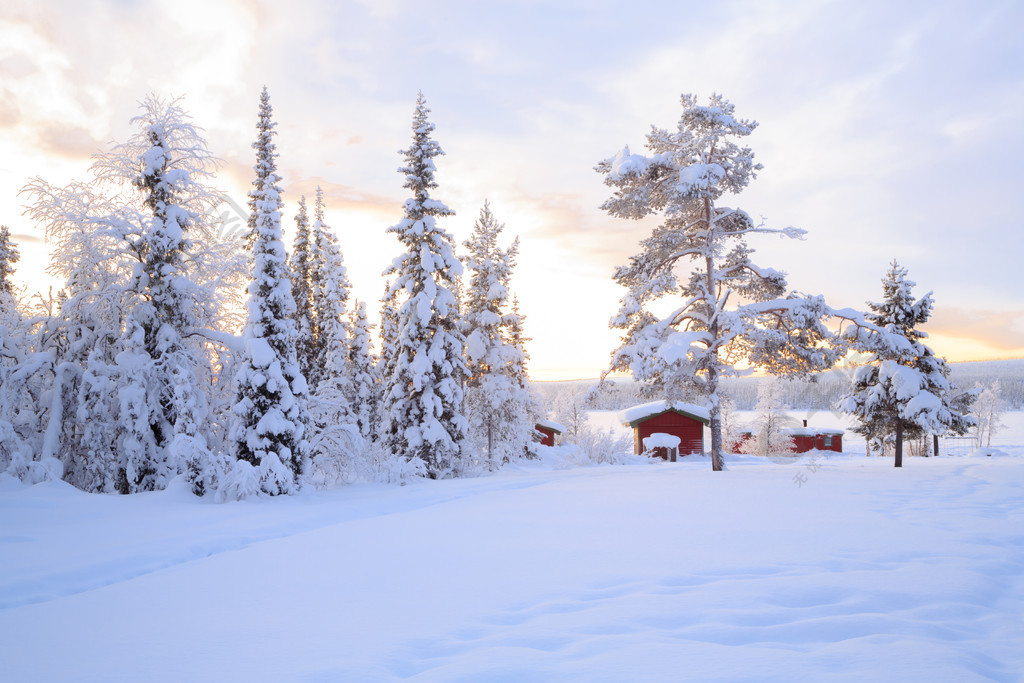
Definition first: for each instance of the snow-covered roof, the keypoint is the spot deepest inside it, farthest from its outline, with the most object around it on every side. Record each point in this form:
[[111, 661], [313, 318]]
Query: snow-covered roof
[[812, 431], [635, 414], [556, 427]]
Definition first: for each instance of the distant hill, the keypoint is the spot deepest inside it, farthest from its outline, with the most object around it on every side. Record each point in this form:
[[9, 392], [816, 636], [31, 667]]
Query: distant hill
[[820, 394]]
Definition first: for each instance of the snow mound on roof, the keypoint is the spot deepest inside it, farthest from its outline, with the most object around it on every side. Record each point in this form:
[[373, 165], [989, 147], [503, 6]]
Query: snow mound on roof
[[551, 424], [812, 431], [661, 440], [631, 415]]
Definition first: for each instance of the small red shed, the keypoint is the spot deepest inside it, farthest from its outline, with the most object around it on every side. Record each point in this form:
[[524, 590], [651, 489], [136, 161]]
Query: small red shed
[[676, 418], [812, 438], [548, 430]]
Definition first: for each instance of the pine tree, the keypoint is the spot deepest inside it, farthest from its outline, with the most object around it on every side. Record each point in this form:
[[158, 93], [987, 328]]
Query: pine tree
[[12, 354], [10, 343], [529, 408], [365, 385], [302, 264], [497, 406], [330, 405], [9, 256], [271, 412], [726, 308], [904, 392], [424, 395], [331, 293]]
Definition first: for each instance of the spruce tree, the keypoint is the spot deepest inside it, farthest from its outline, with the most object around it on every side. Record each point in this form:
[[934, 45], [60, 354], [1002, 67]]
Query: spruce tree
[[424, 395], [9, 256], [271, 412], [302, 264], [904, 392], [331, 293], [364, 396], [498, 405], [386, 361]]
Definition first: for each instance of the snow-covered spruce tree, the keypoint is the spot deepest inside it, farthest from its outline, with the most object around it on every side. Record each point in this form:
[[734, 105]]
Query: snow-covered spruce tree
[[725, 308], [768, 437], [388, 332], [423, 393], [10, 318], [271, 412], [13, 446], [331, 293], [530, 405], [9, 256], [497, 405], [302, 265], [331, 410], [904, 391], [364, 398]]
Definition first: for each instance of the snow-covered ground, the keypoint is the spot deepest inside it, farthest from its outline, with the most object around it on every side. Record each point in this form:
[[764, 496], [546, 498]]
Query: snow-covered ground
[[839, 568]]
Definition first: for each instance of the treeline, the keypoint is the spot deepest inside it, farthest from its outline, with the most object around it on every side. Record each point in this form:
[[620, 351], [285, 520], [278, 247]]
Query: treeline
[[1007, 377]]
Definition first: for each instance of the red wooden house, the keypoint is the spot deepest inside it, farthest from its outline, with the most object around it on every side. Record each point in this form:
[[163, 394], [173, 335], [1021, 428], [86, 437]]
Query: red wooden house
[[676, 418], [548, 429], [814, 438]]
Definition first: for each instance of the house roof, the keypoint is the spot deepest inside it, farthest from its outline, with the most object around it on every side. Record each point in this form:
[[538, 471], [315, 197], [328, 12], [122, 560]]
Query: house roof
[[813, 431], [556, 427], [631, 416]]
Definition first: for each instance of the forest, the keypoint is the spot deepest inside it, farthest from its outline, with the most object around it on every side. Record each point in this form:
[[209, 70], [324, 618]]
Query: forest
[[169, 351]]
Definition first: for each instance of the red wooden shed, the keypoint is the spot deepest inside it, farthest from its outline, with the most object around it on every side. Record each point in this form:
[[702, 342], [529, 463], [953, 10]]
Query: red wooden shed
[[548, 430], [668, 417], [812, 438]]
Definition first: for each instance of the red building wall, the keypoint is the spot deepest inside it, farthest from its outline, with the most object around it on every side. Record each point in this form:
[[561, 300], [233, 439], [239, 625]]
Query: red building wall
[[837, 443], [810, 442], [547, 436], [803, 443], [689, 431]]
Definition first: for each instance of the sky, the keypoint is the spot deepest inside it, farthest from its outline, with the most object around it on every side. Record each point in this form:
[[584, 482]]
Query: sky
[[887, 131]]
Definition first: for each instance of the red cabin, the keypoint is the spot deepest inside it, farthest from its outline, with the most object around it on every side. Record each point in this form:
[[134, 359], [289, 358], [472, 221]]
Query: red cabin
[[548, 430], [810, 438], [675, 418]]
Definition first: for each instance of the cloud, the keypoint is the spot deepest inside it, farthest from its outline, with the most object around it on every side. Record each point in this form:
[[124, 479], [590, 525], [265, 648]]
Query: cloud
[[1003, 330], [340, 198]]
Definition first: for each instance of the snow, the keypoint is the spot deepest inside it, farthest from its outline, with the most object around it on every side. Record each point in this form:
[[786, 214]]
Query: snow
[[860, 572], [645, 410], [551, 424], [661, 440], [812, 431]]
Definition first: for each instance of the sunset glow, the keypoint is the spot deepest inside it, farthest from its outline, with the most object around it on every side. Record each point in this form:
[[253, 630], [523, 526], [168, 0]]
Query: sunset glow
[[871, 116]]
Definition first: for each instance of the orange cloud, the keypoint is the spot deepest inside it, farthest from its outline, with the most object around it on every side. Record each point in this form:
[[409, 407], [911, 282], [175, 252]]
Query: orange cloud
[[1002, 331]]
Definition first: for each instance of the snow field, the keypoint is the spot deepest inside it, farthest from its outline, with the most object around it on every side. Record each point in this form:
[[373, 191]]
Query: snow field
[[638, 572]]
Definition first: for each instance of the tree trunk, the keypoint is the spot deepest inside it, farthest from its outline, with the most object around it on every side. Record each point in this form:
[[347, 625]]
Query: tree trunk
[[935, 445], [899, 444], [490, 446], [717, 459]]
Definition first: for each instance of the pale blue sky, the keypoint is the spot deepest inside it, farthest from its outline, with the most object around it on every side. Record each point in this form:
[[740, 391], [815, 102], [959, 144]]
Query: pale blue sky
[[888, 130]]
